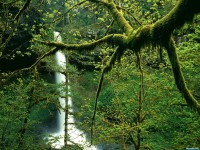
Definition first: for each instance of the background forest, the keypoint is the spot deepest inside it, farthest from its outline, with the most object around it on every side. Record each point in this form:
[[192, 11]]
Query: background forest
[[139, 106]]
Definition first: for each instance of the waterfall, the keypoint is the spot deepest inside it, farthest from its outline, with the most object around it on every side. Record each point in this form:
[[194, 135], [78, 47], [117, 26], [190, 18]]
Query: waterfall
[[75, 136], [60, 79]]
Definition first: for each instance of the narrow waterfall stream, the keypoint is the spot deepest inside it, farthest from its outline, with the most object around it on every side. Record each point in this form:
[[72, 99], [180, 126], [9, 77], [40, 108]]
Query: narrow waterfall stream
[[60, 79], [75, 136]]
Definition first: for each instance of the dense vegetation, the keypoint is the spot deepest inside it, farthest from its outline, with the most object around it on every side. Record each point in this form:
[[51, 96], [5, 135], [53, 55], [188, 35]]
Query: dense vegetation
[[132, 64]]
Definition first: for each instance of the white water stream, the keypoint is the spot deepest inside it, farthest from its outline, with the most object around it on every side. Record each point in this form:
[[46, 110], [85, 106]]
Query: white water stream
[[75, 135]]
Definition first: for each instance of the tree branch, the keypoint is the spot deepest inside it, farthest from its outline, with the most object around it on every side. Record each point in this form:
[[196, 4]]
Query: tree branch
[[115, 56], [128, 12], [117, 39], [8, 3], [183, 12], [178, 76], [17, 72], [70, 9], [22, 10], [158, 33], [117, 15]]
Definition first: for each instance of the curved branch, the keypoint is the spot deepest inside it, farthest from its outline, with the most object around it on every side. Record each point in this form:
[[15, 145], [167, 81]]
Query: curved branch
[[117, 39], [117, 15], [160, 34], [109, 27], [178, 76], [157, 34], [183, 12], [8, 3], [17, 72]]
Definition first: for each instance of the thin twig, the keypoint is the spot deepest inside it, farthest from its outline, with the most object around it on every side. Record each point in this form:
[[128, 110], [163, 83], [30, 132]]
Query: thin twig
[[115, 56], [95, 107], [111, 24], [22, 10], [128, 12], [16, 72]]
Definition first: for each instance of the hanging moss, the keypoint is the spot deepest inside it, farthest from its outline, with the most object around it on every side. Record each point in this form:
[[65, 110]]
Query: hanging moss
[[160, 34], [140, 38]]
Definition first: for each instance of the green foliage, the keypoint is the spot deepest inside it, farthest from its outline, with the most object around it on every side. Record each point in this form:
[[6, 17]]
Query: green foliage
[[27, 100], [26, 104], [168, 124]]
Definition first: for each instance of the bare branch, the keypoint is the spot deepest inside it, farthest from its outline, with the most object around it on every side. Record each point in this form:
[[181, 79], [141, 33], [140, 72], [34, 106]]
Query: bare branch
[[115, 56], [8, 3], [111, 24]]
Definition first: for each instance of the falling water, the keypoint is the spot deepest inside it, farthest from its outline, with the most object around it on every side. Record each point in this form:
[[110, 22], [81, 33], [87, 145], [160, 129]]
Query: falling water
[[75, 136], [60, 79]]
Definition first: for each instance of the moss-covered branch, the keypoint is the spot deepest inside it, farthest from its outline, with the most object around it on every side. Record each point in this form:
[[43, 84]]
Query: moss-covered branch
[[117, 14], [160, 34], [178, 76], [117, 39], [115, 56], [183, 12], [129, 13]]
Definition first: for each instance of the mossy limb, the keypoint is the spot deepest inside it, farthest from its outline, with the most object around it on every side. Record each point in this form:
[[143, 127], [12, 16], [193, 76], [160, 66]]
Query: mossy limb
[[183, 12], [139, 38], [116, 39], [178, 76]]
